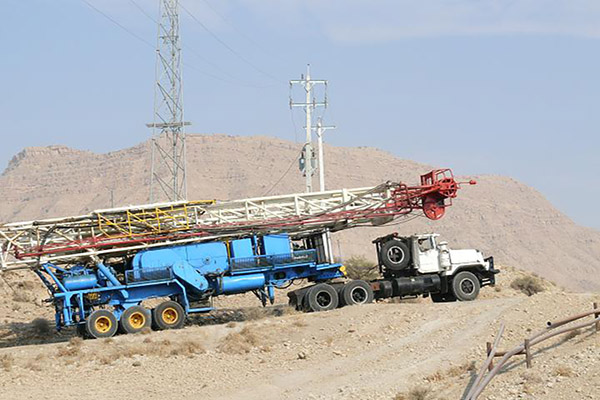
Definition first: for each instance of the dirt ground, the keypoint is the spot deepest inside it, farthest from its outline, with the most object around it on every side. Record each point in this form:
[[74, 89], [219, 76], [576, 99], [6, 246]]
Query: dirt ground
[[391, 350]]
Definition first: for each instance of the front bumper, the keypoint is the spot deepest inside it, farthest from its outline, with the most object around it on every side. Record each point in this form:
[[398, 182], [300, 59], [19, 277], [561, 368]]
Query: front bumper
[[489, 276]]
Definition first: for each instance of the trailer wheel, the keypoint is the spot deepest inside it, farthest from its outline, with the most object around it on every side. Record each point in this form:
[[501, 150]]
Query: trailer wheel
[[321, 297], [356, 292], [395, 255], [134, 319], [101, 324], [168, 315], [465, 286], [442, 298]]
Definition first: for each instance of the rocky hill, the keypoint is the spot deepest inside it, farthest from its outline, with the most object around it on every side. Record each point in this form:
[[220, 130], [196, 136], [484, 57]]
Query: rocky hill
[[499, 216]]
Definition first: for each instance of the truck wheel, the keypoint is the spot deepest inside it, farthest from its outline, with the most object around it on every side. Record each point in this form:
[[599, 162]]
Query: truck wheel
[[442, 298], [134, 319], [321, 297], [101, 324], [465, 286], [395, 255], [168, 315], [356, 292]]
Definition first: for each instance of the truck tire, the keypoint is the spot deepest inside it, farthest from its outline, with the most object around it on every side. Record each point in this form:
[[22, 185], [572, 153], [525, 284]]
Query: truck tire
[[395, 255], [135, 319], [101, 324], [442, 297], [321, 297], [465, 286], [356, 292], [168, 315]]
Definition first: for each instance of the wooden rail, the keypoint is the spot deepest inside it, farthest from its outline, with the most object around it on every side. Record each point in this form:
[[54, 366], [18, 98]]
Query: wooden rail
[[483, 377]]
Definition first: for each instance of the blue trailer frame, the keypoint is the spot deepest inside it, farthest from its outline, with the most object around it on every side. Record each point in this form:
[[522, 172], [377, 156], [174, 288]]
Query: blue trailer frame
[[183, 273]]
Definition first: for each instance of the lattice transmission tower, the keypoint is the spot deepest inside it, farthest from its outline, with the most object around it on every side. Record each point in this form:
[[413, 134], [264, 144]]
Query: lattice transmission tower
[[168, 169]]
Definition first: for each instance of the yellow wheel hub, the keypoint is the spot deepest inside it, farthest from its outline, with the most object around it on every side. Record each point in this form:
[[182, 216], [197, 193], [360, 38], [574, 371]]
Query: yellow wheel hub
[[103, 324], [170, 315], [137, 320]]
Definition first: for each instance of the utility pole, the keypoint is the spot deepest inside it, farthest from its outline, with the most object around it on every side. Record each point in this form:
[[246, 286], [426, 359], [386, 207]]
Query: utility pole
[[310, 103], [168, 169], [320, 131]]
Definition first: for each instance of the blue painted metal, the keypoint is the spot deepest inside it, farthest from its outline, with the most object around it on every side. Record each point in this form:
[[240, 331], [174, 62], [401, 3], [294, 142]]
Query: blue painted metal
[[79, 282], [242, 248], [241, 284], [185, 273], [277, 244]]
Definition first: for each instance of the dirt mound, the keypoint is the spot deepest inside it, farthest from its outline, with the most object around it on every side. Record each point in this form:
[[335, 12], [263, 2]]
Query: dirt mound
[[499, 216]]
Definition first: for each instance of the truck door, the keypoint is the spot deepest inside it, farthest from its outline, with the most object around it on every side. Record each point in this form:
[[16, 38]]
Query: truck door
[[428, 255]]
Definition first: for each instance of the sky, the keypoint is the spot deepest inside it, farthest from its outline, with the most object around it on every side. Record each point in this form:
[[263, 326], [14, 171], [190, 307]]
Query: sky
[[483, 87]]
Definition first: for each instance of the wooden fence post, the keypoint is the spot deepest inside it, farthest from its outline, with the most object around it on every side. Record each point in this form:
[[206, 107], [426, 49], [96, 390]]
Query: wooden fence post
[[488, 346], [596, 315], [527, 353]]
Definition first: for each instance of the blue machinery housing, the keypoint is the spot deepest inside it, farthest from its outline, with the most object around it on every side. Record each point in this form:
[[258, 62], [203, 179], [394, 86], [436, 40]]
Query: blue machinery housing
[[188, 274]]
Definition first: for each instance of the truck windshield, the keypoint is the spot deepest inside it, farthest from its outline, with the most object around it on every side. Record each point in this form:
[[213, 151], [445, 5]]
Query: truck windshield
[[425, 244]]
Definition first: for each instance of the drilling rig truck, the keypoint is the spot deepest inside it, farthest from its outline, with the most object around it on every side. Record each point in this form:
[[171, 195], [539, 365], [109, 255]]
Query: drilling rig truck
[[102, 268]]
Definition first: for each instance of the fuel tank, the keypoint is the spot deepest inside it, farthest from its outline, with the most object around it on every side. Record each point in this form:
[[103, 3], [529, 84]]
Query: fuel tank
[[80, 282], [243, 283]]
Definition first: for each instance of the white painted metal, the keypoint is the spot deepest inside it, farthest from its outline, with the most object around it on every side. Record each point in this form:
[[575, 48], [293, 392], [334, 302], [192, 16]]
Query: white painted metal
[[320, 131], [201, 221], [309, 105], [434, 257], [168, 164]]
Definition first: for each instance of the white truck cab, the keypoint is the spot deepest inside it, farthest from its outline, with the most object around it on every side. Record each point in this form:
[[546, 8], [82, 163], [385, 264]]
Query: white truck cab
[[422, 264]]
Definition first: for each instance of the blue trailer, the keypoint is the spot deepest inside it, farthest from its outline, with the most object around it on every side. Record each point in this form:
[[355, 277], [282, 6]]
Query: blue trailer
[[103, 297]]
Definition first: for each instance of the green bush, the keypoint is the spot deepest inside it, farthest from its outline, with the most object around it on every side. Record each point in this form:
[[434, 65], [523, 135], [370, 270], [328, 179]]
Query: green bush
[[359, 267]]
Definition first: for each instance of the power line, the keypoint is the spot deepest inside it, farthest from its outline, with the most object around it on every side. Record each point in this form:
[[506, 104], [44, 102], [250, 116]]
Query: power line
[[135, 35], [235, 81], [240, 32], [284, 174], [147, 43], [233, 51]]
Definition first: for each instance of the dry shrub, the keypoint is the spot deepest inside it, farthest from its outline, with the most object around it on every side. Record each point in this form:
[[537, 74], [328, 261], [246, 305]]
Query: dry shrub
[[106, 359], [531, 377], [528, 284], [417, 393], [33, 366], [299, 323], [563, 370], [359, 267], [435, 377], [41, 327], [462, 369], [188, 348], [231, 324], [67, 351], [239, 342], [7, 361], [72, 349]]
